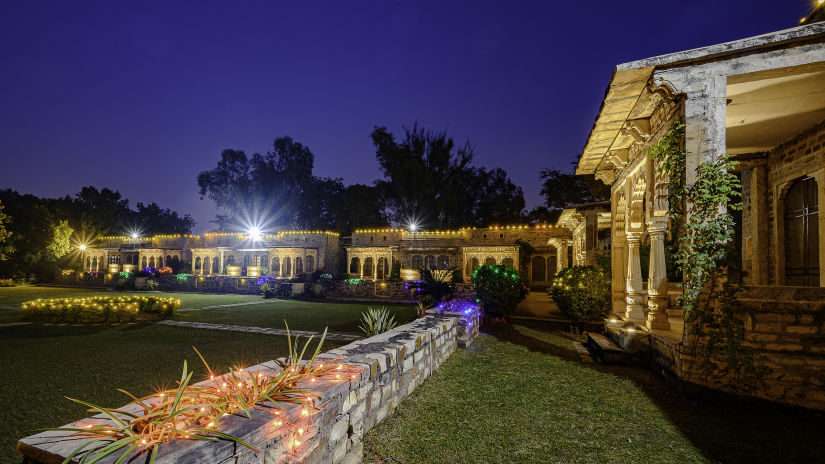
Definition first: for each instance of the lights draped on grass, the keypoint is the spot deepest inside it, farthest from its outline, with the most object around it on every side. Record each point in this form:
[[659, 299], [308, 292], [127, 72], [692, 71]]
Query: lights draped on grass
[[97, 308], [193, 411]]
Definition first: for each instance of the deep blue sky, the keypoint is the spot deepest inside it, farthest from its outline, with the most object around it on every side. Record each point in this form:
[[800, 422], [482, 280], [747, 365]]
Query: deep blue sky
[[141, 96]]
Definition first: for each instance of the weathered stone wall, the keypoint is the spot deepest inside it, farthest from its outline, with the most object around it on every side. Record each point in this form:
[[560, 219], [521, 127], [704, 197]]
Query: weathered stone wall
[[786, 325], [392, 365]]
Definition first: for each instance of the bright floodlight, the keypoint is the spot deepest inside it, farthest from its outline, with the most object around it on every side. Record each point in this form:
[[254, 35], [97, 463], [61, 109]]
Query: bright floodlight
[[82, 247], [255, 233], [412, 225], [134, 235]]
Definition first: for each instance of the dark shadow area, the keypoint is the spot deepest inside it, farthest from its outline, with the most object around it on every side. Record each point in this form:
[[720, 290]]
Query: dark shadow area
[[725, 427]]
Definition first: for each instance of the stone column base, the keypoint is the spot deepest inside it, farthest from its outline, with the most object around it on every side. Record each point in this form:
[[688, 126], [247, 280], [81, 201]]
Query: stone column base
[[657, 320]]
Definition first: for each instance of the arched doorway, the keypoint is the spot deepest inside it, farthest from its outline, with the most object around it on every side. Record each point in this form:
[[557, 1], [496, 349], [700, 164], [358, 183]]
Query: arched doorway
[[539, 269], [429, 262], [801, 224], [368, 267], [276, 266], [310, 264], [418, 262], [286, 267], [355, 266], [299, 265], [443, 262], [489, 260]]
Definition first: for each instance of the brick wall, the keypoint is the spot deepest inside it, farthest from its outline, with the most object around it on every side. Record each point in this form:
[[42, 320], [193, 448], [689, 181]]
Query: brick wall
[[392, 365], [795, 158], [786, 325]]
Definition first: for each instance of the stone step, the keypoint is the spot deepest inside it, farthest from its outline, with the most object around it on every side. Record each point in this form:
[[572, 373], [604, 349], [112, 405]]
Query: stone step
[[604, 350], [632, 340]]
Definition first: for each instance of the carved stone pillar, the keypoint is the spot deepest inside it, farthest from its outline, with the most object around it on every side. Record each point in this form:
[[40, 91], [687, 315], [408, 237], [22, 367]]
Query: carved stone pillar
[[634, 309], [657, 279], [194, 258], [618, 267]]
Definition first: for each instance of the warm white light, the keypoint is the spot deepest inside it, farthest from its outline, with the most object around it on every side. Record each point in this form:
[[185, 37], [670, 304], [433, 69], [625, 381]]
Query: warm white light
[[134, 235], [82, 247], [255, 233]]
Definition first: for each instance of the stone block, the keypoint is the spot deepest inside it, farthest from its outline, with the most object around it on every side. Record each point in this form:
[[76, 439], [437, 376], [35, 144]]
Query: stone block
[[339, 429], [801, 329]]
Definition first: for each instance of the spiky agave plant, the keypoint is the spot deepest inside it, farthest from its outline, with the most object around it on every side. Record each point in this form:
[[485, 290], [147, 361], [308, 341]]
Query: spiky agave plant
[[193, 412], [375, 321]]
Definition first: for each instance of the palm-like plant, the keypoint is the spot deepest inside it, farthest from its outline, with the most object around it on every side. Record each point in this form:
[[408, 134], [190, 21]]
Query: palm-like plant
[[437, 283], [375, 321]]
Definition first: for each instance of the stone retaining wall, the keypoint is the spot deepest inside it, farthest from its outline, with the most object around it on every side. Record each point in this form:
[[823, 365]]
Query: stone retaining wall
[[392, 365], [786, 326]]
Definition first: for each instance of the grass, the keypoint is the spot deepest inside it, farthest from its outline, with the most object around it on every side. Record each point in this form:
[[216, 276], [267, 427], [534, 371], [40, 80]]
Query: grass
[[301, 315], [41, 365], [523, 396]]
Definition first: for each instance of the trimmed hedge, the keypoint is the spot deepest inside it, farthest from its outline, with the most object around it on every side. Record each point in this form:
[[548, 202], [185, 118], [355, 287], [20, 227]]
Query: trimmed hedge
[[499, 288], [582, 293], [98, 308]]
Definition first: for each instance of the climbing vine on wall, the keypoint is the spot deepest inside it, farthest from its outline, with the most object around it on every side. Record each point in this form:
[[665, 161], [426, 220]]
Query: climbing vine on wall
[[700, 216]]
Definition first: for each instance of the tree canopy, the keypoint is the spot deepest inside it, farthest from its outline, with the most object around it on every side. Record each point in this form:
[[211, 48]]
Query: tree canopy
[[562, 189], [428, 179], [37, 234]]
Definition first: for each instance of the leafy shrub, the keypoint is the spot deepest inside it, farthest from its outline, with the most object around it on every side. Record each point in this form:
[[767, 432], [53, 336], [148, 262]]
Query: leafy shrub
[[499, 288], [375, 321], [317, 291], [98, 308], [265, 288], [277, 290], [151, 285], [582, 293]]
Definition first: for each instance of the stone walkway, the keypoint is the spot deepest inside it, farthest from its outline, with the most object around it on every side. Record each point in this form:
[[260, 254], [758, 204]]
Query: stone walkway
[[231, 305], [539, 305], [258, 330]]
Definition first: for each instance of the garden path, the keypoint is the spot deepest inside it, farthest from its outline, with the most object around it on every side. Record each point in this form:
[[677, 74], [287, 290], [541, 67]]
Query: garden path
[[259, 330], [538, 305]]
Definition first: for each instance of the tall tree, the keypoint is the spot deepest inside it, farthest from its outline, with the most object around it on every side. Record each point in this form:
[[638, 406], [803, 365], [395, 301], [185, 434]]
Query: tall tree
[[276, 189], [427, 177], [360, 206], [5, 235], [61, 240], [562, 189]]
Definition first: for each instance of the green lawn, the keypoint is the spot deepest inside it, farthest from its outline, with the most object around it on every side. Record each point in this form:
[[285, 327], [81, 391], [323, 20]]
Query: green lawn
[[40, 365], [302, 315], [523, 396]]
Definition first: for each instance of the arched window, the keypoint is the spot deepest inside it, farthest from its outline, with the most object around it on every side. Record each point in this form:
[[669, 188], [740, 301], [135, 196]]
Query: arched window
[[474, 265], [310, 264], [168, 259], [230, 261], [508, 262], [198, 263], [143, 262], [802, 233], [443, 262], [94, 263], [429, 262], [276, 266], [246, 261], [382, 270], [152, 261], [368, 267], [215, 266], [299, 265], [286, 267], [489, 260], [206, 265], [539, 266], [354, 266], [88, 263], [417, 262]]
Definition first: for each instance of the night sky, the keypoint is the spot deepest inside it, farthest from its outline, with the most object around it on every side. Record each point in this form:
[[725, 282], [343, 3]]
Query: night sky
[[141, 97]]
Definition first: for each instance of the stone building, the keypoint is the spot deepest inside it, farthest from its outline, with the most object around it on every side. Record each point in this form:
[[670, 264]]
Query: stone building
[[761, 99], [372, 251], [590, 225], [284, 254]]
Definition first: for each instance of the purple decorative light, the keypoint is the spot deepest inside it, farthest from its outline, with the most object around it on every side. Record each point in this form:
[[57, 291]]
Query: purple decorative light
[[466, 307]]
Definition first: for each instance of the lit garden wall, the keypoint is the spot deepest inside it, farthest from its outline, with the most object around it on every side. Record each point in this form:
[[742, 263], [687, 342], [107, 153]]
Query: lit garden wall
[[392, 365]]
